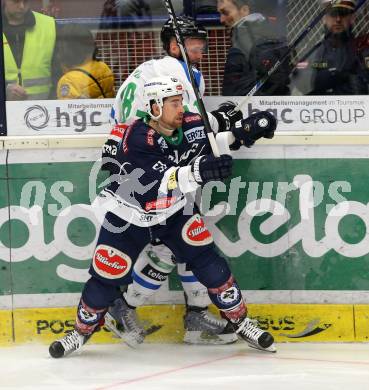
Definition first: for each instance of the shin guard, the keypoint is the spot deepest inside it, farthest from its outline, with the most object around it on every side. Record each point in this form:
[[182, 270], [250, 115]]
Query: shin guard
[[196, 293], [150, 271], [88, 319], [228, 299]]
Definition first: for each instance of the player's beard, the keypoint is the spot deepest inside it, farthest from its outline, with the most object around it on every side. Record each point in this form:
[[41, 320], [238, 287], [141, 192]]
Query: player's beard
[[171, 126]]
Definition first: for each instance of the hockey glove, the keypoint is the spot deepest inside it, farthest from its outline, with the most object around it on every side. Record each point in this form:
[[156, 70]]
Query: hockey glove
[[110, 148], [209, 168], [109, 151], [249, 130], [226, 117]]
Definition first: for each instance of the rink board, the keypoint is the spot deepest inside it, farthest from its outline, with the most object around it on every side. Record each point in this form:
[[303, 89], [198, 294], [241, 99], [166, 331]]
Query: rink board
[[45, 254], [361, 322], [287, 323], [6, 328], [48, 233]]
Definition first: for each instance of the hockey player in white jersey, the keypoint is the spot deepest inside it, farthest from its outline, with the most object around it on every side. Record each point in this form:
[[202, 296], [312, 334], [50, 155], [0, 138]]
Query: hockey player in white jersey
[[156, 261]]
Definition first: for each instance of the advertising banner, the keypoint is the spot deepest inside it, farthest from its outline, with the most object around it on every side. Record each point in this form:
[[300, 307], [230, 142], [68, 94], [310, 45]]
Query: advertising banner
[[5, 266], [51, 117], [284, 224], [287, 323], [297, 113], [307, 113], [361, 322]]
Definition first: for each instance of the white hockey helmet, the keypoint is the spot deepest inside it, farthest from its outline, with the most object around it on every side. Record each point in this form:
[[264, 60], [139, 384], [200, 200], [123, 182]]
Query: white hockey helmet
[[159, 88]]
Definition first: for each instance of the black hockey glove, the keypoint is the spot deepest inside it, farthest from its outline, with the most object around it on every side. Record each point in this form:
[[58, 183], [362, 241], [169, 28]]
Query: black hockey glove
[[226, 117], [249, 130], [109, 151], [208, 168]]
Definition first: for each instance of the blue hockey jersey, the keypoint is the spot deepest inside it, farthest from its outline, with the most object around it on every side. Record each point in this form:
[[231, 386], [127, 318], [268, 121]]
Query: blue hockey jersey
[[154, 171]]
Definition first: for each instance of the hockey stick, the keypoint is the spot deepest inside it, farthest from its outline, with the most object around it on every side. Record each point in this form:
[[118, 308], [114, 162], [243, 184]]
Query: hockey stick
[[291, 47], [202, 110]]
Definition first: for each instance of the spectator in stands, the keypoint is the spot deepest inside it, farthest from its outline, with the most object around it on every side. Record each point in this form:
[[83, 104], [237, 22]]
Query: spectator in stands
[[146, 7], [29, 51], [134, 12], [205, 7], [136, 8], [108, 14], [336, 65], [52, 8], [85, 77], [254, 50]]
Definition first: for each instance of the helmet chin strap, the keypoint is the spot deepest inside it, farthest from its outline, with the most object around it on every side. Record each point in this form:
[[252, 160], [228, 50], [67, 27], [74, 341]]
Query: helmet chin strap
[[162, 129], [157, 117], [156, 123]]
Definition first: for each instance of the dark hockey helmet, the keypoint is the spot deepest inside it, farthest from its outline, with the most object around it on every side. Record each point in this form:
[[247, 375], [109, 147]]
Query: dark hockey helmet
[[188, 27]]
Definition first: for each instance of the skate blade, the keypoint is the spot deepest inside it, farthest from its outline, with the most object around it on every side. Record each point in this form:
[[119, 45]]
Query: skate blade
[[124, 337], [204, 338], [270, 349]]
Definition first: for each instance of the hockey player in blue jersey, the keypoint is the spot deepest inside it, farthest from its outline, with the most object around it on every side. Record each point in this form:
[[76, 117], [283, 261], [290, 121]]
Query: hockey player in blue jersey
[[156, 261], [169, 157]]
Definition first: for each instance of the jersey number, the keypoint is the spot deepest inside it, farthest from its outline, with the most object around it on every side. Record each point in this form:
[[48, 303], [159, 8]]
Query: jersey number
[[127, 97]]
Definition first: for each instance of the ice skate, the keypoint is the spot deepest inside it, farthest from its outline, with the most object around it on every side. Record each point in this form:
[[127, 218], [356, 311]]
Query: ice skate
[[202, 327], [72, 341], [122, 320], [254, 336]]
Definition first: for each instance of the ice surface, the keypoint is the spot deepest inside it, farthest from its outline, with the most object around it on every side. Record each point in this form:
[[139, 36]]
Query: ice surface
[[182, 367]]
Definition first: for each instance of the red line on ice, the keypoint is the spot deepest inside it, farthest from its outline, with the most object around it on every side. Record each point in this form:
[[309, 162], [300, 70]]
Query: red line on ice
[[161, 373], [241, 354]]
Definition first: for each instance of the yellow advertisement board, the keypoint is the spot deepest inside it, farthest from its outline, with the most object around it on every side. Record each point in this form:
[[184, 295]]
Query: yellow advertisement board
[[362, 322], [6, 329], [164, 323]]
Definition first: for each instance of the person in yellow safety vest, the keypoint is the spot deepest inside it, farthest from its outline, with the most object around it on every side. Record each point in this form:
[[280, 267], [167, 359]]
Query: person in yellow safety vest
[[85, 77], [29, 44]]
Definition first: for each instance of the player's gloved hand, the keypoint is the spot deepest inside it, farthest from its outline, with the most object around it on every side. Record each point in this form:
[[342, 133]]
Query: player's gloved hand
[[249, 130], [109, 151], [208, 168], [236, 145], [225, 116], [110, 148]]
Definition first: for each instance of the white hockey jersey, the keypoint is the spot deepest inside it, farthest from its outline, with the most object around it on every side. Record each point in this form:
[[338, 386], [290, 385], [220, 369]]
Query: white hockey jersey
[[129, 103]]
